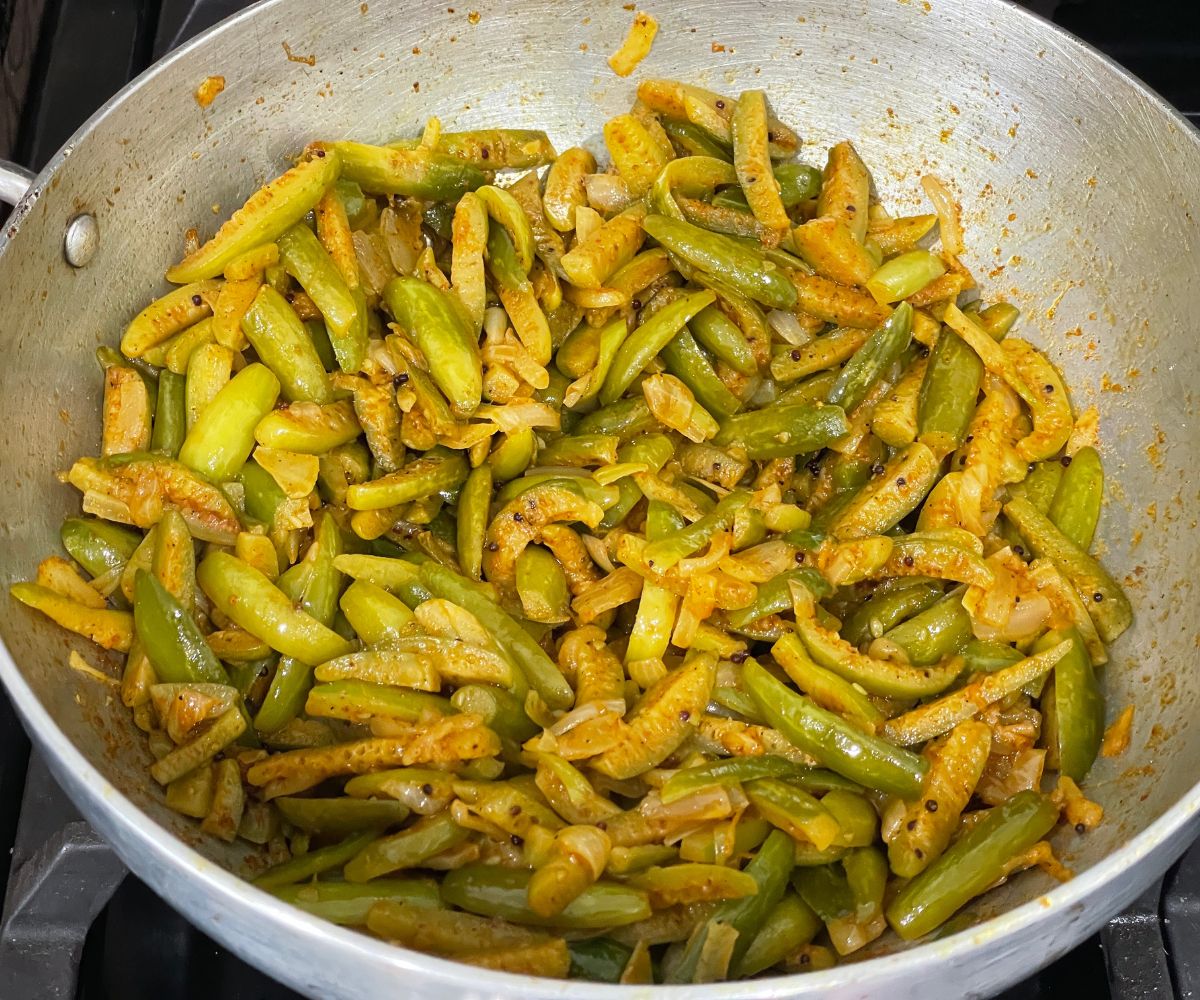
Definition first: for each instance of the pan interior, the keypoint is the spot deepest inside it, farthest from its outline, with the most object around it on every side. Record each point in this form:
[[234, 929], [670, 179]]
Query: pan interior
[[1077, 192]]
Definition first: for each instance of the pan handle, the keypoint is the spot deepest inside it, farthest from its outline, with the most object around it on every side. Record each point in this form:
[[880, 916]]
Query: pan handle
[[82, 234], [14, 182]]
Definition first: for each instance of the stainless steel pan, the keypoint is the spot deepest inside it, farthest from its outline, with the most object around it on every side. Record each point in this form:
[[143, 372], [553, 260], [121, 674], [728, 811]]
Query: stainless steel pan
[[1079, 190]]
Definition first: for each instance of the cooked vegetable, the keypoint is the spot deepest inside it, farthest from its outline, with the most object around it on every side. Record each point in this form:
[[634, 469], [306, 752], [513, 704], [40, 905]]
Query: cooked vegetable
[[1075, 509], [1102, 595], [620, 575], [267, 214], [219, 442], [973, 864]]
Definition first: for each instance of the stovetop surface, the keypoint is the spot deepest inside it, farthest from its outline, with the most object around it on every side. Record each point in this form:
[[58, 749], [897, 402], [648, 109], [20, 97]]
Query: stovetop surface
[[53, 75]]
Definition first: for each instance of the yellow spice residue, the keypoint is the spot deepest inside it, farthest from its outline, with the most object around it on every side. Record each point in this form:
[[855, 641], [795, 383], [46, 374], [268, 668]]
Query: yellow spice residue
[[1154, 448], [207, 92], [1085, 433], [309, 60], [77, 662], [1117, 736]]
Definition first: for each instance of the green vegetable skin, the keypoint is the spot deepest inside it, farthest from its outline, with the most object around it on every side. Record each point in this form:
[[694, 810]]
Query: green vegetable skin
[[797, 182], [1105, 600], [826, 351], [356, 699], [1040, 486], [972, 864], [414, 173], [580, 450], [442, 332], [665, 552], [790, 925], [472, 519], [403, 652], [501, 711], [743, 268], [252, 601], [341, 817], [315, 586], [792, 809], [738, 769], [697, 141], [988, 656], [267, 214], [283, 345], [770, 868], [692, 176], [934, 633], [882, 677], [263, 495], [491, 148], [652, 449], [1075, 509], [492, 891], [639, 349], [406, 849], [315, 862], [870, 361], [541, 672], [170, 415], [685, 360], [98, 546], [300, 430], [826, 890], [775, 595], [905, 275], [542, 586], [170, 637], [720, 335], [868, 760], [512, 455], [348, 904], [883, 612], [222, 438], [307, 261], [1073, 706], [784, 430], [599, 960], [432, 473], [948, 392], [825, 687]]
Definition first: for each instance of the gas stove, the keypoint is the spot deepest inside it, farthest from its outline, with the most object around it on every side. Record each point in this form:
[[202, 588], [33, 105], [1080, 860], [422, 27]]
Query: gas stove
[[75, 925]]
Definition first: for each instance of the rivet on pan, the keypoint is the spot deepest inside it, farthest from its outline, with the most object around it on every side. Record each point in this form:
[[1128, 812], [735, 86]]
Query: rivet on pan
[[81, 240]]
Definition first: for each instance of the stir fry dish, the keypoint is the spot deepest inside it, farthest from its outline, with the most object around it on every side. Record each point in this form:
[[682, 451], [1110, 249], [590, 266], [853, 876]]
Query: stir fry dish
[[664, 571]]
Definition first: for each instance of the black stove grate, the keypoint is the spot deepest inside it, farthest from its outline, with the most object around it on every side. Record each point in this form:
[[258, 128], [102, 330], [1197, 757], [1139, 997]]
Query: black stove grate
[[60, 941]]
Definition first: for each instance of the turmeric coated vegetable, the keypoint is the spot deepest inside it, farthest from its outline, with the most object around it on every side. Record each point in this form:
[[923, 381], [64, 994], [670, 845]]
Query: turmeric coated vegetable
[[268, 213], [647, 572]]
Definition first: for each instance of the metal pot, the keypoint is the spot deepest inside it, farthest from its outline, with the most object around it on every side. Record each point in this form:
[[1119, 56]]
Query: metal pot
[[1077, 186]]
